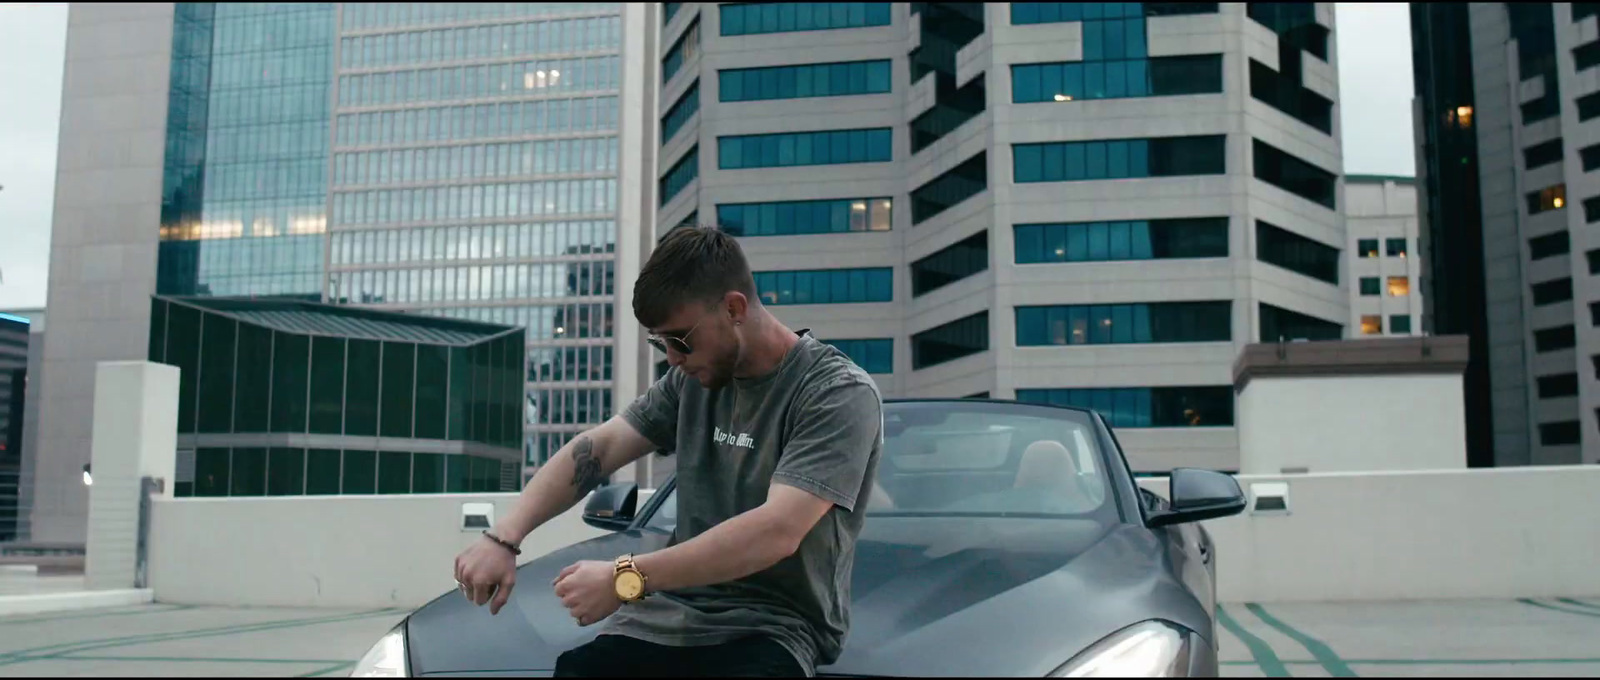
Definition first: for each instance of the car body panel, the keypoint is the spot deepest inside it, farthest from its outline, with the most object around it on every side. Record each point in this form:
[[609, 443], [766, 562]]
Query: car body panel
[[931, 596]]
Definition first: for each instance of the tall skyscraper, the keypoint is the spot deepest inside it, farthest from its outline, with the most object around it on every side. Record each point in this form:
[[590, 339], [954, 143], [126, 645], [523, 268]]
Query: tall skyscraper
[[468, 160], [1079, 203], [1502, 107]]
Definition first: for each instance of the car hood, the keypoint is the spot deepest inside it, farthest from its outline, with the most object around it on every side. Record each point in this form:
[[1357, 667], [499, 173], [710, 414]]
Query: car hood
[[931, 597]]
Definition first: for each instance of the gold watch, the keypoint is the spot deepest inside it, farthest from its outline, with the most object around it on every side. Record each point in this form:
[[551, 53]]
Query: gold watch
[[628, 580]]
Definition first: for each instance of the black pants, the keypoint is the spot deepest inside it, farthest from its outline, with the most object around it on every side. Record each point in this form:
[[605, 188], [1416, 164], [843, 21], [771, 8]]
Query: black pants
[[622, 656]]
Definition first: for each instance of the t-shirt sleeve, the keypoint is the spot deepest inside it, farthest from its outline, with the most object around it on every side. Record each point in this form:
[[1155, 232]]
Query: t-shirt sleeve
[[655, 413], [835, 432]]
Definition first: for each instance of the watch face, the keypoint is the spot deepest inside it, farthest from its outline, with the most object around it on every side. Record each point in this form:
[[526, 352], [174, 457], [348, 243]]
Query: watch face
[[629, 585]]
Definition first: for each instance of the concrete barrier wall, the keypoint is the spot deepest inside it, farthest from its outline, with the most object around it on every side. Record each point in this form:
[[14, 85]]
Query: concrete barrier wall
[[1460, 534], [1455, 534], [336, 551]]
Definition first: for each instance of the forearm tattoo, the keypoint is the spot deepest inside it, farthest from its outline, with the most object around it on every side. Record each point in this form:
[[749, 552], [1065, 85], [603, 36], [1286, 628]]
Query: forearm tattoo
[[585, 466]]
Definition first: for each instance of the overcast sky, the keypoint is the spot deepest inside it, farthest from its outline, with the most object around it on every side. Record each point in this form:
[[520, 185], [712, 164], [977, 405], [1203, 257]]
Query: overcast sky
[[1374, 84]]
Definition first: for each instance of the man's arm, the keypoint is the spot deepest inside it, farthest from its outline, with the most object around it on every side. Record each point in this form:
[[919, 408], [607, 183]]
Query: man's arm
[[746, 544], [571, 474]]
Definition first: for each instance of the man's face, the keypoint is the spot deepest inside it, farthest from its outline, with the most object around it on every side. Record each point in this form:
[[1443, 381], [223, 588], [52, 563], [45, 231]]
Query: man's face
[[708, 334]]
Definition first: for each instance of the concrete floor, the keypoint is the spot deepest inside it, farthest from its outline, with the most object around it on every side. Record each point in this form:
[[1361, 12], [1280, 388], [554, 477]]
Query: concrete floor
[[1520, 638]]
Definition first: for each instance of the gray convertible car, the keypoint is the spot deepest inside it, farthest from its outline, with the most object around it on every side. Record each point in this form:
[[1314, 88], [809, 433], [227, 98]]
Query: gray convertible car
[[1002, 539]]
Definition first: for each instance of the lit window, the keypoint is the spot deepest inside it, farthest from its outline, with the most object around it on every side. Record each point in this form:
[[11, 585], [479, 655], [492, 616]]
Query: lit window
[[1396, 247], [1549, 198], [1463, 116], [1371, 324], [1367, 247], [1399, 286]]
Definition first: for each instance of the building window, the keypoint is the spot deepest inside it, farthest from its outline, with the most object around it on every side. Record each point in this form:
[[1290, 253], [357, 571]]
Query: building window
[[1371, 324], [1399, 286], [789, 218], [682, 173], [1586, 56], [1023, 13], [1294, 22], [875, 355], [1591, 210], [1549, 245], [680, 113], [1400, 324], [668, 10], [962, 259], [1590, 156], [1540, 155], [1552, 292], [1287, 94], [1588, 106], [1594, 261], [1136, 323], [1396, 247], [950, 341], [1129, 78], [785, 17], [1555, 339], [794, 149], [1140, 407], [685, 49], [1370, 285], [1293, 175], [805, 80], [950, 189], [1564, 433], [1119, 159], [1549, 198], [1367, 247], [1194, 237], [825, 286], [1556, 386], [1281, 247], [1278, 324]]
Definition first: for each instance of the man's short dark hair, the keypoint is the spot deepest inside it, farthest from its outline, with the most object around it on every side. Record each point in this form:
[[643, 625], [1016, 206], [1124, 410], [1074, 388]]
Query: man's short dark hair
[[690, 264]]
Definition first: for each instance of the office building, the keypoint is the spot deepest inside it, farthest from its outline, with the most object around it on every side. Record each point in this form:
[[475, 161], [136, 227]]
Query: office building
[[1095, 204], [468, 161], [1504, 103], [282, 397], [14, 337], [1382, 264]]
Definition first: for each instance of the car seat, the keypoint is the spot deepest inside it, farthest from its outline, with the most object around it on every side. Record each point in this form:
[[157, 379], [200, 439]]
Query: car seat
[[1046, 463]]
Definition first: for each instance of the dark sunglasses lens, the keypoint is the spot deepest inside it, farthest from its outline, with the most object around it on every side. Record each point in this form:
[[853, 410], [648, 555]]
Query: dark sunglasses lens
[[677, 345]]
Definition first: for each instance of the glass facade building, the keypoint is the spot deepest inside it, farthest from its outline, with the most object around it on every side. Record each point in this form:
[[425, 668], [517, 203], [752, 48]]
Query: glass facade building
[[453, 160], [244, 191], [286, 397], [475, 168]]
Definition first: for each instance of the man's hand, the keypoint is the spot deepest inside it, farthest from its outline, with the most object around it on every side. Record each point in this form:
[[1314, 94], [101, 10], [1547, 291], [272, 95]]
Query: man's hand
[[588, 591], [487, 572]]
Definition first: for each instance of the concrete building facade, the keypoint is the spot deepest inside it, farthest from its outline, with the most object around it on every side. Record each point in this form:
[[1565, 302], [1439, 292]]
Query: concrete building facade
[[1534, 87], [461, 160], [1097, 204], [1383, 263]]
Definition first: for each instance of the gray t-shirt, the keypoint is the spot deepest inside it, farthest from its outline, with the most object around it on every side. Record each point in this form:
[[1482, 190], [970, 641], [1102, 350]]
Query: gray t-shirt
[[815, 423]]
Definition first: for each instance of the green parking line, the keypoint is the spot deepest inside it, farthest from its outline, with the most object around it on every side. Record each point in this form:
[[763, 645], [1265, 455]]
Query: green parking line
[[330, 669], [62, 649], [180, 659], [1319, 650], [1426, 662], [1578, 603], [1265, 659], [92, 615], [1541, 605]]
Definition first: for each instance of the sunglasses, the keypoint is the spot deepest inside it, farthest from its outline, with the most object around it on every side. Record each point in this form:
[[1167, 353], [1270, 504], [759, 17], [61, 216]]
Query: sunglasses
[[679, 344]]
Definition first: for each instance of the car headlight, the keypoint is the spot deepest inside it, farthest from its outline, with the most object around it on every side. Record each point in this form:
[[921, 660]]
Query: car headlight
[[1151, 649], [387, 659]]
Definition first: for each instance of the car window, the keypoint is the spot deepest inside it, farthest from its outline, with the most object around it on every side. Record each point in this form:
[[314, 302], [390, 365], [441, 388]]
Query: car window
[[970, 457], [666, 514]]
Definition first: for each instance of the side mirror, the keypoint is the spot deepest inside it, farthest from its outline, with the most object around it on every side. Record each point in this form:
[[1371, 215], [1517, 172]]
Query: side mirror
[[612, 507], [1199, 495]]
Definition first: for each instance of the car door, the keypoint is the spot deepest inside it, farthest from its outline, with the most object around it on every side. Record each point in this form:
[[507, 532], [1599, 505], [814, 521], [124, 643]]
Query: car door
[[1188, 546]]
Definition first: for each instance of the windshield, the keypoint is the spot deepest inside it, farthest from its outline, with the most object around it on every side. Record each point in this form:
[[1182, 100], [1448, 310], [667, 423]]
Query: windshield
[[972, 457], [975, 458]]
